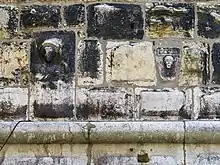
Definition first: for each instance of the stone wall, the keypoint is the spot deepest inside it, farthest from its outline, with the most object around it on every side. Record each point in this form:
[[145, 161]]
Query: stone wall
[[112, 62]]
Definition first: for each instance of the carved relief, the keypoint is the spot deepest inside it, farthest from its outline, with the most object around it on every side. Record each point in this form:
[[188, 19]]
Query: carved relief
[[167, 62]]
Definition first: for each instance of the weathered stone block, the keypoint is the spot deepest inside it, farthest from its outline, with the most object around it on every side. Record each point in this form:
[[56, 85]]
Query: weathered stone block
[[104, 104], [168, 62], [74, 15], [52, 68], [8, 21], [14, 63], [13, 103], [131, 63], [169, 20], [216, 63], [163, 104], [194, 64], [210, 103], [40, 15], [208, 20], [90, 63], [123, 160], [115, 21]]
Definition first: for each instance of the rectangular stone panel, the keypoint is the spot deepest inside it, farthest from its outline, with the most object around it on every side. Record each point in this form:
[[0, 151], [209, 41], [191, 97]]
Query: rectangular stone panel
[[74, 15], [208, 20], [13, 103], [115, 21], [90, 62], [14, 67], [53, 68], [8, 21], [40, 15], [169, 20], [130, 63], [104, 104], [216, 63], [163, 104], [194, 68]]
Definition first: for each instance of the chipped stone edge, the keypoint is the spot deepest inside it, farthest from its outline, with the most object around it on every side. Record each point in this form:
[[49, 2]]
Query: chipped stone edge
[[182, 132]]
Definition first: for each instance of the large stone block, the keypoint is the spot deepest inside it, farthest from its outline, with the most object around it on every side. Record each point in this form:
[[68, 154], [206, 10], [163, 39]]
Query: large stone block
[[13, 103], [104, 104], [74, 15], [169, 20], [115, 21], [208, 20], [131, 63], [90, 63], [40, 16], [163, 104], [8, 21], [53, 68], [14, 68], [194, 64]]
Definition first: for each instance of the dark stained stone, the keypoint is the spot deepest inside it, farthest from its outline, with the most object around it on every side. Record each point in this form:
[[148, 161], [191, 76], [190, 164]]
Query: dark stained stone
[[216, 63], [74, 14], [40, 15], [115, 21]]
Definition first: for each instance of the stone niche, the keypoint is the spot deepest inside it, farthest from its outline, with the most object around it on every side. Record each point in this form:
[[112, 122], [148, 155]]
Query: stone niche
[[52, 68]]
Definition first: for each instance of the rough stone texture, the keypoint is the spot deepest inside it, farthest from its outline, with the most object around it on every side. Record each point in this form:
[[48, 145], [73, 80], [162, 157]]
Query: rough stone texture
[[40, 15], [162, 104], [169, 20], [194, 64], [52, 67], [74, 15], [208, 20], [13, 103], [115, 21], [104, 104], [129, 63], [90, 63], [216, 63], [9, 21], [14, 67]]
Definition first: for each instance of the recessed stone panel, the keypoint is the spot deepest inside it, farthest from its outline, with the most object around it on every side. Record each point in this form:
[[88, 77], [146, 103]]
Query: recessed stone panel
[[169, 20], [131, 63], [194, 64], [115, 21], [13, 103], [52, 68], [14, 68], [216, 63], [90, 63], [104, 104]]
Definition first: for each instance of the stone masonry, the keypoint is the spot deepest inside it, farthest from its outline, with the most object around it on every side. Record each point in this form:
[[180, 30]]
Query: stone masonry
[[121, 82]]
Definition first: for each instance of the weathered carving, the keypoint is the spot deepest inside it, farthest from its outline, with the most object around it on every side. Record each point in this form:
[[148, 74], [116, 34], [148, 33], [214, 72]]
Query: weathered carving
[[167, 62]]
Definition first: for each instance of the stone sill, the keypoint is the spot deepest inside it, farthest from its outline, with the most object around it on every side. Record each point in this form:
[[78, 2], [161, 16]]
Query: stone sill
[[186, 132]]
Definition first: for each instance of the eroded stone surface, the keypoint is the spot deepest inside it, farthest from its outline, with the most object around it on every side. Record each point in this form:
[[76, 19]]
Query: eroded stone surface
[[131, 63], [162, 104], [115, 21], [52, 68], [8, 21], [74, 14], [14, 63], [169, 20], [208, 20], [104, 104], [194, 64], [90, 62], [13, 103], [40, 15]]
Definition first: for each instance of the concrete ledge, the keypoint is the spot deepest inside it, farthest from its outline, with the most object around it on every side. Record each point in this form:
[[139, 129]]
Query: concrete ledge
[[111, 132]]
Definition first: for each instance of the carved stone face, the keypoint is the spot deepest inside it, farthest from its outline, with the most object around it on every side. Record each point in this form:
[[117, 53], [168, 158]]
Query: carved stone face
[[168, 61]]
